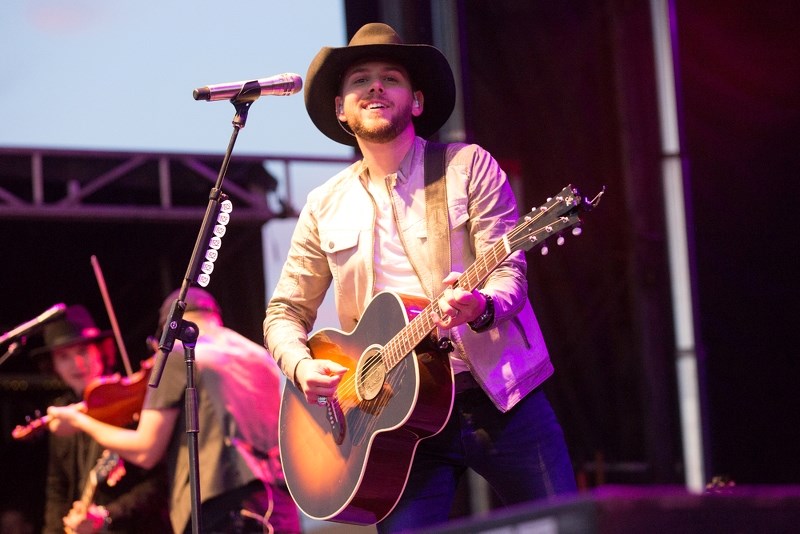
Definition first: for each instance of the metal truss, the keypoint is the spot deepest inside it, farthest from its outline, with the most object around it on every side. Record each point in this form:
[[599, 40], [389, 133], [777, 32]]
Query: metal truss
[[38, 183]]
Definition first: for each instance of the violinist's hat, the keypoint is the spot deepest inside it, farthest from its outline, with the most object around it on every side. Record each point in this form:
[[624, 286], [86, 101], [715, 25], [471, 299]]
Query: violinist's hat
[[75, 327]]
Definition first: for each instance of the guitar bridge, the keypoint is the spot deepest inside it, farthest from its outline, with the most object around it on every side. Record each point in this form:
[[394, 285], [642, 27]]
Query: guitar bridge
[[336, 420]]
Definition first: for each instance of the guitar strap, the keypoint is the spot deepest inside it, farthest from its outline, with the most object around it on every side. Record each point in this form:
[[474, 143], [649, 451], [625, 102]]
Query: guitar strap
[[438, 225]]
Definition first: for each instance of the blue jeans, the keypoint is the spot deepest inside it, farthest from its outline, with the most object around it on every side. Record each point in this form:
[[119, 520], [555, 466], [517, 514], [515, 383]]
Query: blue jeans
[[520, 453]]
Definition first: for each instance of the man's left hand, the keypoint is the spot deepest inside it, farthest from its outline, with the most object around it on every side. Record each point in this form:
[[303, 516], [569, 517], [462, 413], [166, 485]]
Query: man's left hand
[[457, 305]]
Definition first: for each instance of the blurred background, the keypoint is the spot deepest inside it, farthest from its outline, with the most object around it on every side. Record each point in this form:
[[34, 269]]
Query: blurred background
[[104, 152]]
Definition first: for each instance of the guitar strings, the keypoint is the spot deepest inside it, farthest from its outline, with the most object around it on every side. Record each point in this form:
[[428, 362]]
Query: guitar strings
[[346, 394]]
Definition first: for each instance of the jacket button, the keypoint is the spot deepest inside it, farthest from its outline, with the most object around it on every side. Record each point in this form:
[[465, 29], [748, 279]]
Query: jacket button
[[330, 245]]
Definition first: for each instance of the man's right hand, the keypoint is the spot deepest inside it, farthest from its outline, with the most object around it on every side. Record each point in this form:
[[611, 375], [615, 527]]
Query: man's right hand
[[318, 378]]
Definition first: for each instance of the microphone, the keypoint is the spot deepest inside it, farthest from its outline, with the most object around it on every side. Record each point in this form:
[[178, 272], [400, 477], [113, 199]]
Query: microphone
[[25, 328], [279, 85]]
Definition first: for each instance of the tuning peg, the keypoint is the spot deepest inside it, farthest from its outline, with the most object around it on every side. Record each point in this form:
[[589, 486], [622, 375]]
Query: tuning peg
[[560, 240], [544, 250], [576, 231]]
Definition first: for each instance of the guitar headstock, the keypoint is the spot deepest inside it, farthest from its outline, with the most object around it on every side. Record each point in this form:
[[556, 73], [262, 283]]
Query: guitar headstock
[[109, 468], [560, 212]]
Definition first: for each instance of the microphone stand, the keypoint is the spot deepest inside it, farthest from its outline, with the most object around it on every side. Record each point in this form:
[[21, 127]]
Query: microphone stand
[[17, 334], [175, 327]]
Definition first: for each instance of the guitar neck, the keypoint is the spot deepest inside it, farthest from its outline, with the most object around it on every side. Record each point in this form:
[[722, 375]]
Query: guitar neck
[[418, 328], [89, 489], [557, 214], [105, 466]]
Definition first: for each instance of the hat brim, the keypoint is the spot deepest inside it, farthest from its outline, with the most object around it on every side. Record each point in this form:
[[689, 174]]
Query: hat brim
[[426, 65], [42, 351]]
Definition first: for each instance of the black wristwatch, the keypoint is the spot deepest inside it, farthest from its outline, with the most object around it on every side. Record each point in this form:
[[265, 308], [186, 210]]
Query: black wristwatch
[[484, 320]]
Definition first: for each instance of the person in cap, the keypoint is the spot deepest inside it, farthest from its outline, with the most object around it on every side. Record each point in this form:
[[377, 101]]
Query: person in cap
[[238, 388], [365, 231], [129, 499]]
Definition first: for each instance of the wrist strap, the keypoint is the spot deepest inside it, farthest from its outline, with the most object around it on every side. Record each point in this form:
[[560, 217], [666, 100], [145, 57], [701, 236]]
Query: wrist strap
[[484, 320]]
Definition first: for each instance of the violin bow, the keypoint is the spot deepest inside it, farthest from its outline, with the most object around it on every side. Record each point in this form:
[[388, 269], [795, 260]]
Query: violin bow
[[98, 273]]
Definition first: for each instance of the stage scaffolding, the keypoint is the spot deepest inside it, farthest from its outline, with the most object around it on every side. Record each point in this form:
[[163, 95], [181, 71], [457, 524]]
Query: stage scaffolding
[[44, 183]]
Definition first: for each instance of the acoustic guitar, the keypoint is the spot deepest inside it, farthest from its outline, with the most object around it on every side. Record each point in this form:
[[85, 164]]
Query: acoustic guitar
[[349, 461]]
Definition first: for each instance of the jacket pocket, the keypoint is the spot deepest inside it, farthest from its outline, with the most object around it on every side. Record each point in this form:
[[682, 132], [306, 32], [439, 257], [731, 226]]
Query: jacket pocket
[[337, 240], [518, 324], [347, 261]]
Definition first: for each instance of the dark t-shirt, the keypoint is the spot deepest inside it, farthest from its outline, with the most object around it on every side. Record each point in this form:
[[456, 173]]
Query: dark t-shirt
[[135, 498], [238, 392]]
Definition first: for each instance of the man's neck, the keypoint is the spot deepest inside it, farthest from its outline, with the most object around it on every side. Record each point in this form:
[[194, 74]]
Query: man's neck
[[383, 159]]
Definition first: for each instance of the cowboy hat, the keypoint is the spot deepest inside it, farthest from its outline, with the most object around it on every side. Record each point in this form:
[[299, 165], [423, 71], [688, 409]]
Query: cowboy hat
[[74, 328], [426, 65]]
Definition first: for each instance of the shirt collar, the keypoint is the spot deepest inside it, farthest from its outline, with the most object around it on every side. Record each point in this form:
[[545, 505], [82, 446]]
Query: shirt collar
[[411, 161]]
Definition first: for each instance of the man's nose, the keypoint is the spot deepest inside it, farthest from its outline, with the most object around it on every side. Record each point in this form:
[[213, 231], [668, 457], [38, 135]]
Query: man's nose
[[377, 86]]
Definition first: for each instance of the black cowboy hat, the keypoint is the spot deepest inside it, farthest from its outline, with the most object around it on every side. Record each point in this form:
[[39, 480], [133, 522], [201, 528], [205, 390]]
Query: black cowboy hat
[[75, 327], [426, 65]]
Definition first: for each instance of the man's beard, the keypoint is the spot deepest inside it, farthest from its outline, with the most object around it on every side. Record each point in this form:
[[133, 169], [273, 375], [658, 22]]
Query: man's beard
[[387, 131]]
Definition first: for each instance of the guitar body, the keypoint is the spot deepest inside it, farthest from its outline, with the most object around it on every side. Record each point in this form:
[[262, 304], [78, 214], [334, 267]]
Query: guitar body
[[349, 461]]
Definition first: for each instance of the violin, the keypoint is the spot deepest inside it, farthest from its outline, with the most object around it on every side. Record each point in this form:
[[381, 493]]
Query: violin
[[113, 399]]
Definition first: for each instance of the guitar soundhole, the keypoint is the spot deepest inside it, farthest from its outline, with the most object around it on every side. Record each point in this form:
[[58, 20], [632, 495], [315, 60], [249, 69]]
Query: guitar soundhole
[[370, 375]]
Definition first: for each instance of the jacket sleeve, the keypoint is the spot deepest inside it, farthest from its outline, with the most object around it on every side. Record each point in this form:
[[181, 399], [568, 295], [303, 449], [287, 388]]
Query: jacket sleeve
[[492, 214], [301, 288]]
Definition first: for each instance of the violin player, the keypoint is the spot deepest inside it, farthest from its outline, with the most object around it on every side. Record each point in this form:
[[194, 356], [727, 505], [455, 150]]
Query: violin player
[[238, 394], [121, 496]]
